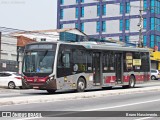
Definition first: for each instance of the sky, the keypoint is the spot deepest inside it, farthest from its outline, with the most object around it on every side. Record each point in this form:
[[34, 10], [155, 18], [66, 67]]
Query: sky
[[28, 14]]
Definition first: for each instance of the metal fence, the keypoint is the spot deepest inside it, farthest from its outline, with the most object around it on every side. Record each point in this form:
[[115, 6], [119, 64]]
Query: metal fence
[[8, 65]]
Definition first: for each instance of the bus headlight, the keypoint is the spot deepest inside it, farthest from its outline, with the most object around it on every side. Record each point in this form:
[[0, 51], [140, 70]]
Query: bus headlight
[[50, 79]]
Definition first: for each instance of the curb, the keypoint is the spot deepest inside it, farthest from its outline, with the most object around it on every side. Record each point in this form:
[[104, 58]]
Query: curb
[[72, 96]]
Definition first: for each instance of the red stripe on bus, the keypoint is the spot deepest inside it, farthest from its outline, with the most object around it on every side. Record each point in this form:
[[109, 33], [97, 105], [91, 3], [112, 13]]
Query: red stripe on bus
[[126, 78], [111, 79], [37, 79]]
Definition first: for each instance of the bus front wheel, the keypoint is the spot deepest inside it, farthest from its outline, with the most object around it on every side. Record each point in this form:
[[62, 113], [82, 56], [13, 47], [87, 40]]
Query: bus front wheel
[[51, 91], [81, 85]]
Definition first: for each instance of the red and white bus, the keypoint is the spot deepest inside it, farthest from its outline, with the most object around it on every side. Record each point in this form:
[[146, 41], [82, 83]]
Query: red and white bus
[[55, 66]]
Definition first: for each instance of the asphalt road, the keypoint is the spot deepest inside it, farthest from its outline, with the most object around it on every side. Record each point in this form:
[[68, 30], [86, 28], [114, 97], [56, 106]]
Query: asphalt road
[[7, 93], [108, 105]]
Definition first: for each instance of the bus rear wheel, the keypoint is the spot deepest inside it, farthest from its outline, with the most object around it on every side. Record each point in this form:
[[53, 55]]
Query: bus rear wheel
[[81, 85], [132, 82], [51, 91]]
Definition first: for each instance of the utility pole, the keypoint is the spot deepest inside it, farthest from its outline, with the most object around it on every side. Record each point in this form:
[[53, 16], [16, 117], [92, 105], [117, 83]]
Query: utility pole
[[140, 25]]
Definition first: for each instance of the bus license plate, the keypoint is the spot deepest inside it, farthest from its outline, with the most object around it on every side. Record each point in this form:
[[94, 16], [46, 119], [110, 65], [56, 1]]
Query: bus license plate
[[35, 87]]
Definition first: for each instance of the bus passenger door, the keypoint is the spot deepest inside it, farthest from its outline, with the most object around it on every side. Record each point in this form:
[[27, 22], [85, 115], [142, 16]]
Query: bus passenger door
[[96, 68], [119, 67]]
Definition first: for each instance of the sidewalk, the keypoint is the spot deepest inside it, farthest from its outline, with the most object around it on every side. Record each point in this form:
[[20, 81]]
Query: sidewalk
[[61, 97], [4, 90]]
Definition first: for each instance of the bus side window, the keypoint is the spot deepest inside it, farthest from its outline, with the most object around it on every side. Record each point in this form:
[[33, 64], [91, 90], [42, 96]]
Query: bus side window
[[80, 59], [66, 60], [111, 61], [60, 55], [106, 62], [89, 61], [137, 67], [145, 60]]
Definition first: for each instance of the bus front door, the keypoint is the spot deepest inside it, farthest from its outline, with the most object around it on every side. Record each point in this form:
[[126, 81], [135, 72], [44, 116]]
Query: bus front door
[[119, 67], [96, 68]]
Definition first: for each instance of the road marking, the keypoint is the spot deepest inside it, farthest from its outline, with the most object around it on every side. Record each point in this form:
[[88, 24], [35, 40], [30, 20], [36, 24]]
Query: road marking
[[112, 107], [28, 118], [105, 108], [143, 118]]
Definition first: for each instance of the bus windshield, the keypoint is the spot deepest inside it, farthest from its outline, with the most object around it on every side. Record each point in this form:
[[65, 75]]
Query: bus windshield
[[39, 61]]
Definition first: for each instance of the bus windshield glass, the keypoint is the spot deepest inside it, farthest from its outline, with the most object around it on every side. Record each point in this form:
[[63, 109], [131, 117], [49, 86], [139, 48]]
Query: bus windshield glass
[[38, 61]]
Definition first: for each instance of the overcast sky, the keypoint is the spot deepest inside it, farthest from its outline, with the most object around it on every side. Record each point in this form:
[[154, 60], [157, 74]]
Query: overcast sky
[[28, 14]]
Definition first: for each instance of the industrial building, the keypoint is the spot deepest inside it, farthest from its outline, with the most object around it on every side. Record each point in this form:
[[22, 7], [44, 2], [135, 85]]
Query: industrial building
[[8, 54]]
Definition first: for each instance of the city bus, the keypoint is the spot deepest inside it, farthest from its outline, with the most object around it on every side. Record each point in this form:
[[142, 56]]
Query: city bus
[[82, 66]]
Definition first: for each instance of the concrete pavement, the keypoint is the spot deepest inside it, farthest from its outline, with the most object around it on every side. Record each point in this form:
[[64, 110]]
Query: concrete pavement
[[70, 96], [114, 105]]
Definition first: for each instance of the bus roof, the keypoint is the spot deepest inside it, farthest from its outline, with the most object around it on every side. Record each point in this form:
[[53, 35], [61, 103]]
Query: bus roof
[[98, 46], [108, 46], [118, 48]]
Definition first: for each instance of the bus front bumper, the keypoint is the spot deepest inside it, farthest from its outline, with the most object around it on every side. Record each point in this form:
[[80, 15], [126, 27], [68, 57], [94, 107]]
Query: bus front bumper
[[40, 85]]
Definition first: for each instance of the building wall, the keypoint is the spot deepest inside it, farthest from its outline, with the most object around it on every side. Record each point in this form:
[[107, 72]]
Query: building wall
[[69, 14], [134, 38], [69, 2], [110, 29], [90, 12], [90, 25], [9, 48], [8, 61], [135, 7], [112, 19], [112, 10], [90, 1], [72, 25], [133, 25]]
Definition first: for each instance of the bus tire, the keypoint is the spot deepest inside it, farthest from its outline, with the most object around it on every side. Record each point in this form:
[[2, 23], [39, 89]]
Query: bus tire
[[81, 85], [51, 91], [132, 82]]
